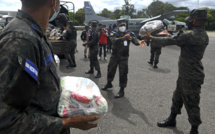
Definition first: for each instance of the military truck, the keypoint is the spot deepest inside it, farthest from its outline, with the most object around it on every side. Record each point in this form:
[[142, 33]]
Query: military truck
[[59, 23]]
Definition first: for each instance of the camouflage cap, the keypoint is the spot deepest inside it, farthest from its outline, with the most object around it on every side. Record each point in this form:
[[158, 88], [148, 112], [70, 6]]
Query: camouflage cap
[[70, 23], [94, 23], [121, 22], [198, 14]]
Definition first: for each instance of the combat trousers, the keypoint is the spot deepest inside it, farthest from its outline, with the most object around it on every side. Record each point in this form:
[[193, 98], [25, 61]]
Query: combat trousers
[[94, 60], [155, 54], [123, 71], [104, 49], [85, 51], [70, 50], [188, 93]]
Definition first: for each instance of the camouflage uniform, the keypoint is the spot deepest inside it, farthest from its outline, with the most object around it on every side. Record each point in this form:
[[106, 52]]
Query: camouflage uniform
[[71, 37], [191, 71], [93, 46], [119, 57], [29, 89]]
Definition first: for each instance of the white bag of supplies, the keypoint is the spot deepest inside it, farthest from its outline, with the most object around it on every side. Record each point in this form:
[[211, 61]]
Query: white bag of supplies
[[150, 27], [81, 96]]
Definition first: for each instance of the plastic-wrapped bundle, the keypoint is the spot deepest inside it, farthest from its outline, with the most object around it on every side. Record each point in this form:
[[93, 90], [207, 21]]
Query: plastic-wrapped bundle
[[150, 27], [55, 34], [81, 96], [57, 60]]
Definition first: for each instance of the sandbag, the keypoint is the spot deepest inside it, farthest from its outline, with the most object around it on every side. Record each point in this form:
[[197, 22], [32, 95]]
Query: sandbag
[[81, 96], [150, 27]]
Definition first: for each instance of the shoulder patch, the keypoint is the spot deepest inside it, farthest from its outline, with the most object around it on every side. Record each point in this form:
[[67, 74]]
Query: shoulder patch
[[48, 59], [31, 68]]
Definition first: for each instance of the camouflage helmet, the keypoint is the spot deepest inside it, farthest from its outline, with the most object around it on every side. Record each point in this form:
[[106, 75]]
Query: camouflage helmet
[[197, 14]]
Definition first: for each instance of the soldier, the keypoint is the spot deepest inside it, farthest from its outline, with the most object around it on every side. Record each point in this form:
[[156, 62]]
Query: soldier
[[121, 39], [93, 46], [62, 20], [29, 83], [191, 72], [71, 37], [155, 51]]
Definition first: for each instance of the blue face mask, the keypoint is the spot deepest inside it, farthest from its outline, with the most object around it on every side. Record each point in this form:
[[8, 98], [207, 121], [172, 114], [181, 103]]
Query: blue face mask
[[54, 15]]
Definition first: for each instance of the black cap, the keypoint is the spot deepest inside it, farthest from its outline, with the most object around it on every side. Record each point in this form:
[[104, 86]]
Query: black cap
[[197, 14], [93, 23], [86, 27]]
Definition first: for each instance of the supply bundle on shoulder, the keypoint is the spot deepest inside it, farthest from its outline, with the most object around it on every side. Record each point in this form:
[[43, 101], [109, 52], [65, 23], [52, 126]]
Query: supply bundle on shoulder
[[81, 96], [150, 27]]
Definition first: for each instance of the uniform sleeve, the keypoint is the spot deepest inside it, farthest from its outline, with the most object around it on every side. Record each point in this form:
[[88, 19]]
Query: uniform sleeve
[[17, 89], [82, 36], [135, 41], [183, 39], [116, 40]]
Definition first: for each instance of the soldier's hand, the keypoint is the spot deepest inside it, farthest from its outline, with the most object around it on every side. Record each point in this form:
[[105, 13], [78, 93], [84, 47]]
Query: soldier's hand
[[147, 36], [142, 43], [127, 37], [80, 122]]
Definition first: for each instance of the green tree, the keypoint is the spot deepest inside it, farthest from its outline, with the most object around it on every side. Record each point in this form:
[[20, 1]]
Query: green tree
[[80, 17], [156, 8], [141, 14], [106, 13], [117, 13], [128, 9], [169, 7]]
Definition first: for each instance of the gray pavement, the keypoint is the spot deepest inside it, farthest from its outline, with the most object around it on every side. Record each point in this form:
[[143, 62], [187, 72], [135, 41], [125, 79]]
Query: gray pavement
[[148, 93]]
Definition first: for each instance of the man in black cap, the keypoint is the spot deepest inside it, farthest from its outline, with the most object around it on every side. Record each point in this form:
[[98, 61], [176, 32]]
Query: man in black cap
[[121, 39], [71, 37], [191, 71], [93, 46]]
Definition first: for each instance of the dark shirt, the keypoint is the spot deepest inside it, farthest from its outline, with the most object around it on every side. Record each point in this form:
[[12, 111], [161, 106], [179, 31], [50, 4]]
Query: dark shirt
[[93, 41], [29, 89], [71, 34]]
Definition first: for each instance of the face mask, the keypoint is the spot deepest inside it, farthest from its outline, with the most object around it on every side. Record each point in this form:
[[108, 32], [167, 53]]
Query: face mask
[[122, 29], [190, 25], [54, 15]]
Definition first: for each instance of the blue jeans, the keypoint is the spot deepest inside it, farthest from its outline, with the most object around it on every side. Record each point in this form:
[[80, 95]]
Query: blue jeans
[[104, 49]]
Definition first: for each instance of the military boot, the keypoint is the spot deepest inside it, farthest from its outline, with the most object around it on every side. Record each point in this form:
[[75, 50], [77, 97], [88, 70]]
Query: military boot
[[108, 85], [120, 93], [98, 74], [155, 66], [91, 71], [71, 64], [151, 63], [169, 122], [194, 130]]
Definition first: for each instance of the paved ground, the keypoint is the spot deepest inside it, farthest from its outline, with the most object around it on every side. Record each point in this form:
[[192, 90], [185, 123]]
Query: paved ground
[[148, 93]]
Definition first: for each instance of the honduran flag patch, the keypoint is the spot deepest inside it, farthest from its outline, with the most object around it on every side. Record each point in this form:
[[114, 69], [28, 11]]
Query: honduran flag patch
[[31, 68]]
